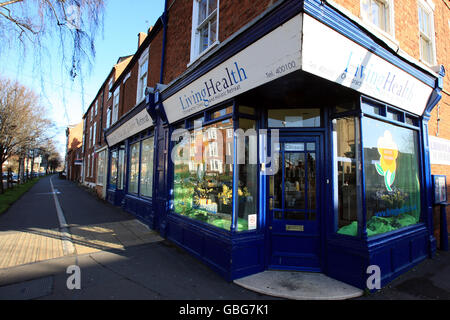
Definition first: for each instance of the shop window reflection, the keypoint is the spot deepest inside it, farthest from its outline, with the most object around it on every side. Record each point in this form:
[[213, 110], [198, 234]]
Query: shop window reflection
[[347, 173], [248, 177], [134, 168], [203, 175], [113, 173], [146, 183]]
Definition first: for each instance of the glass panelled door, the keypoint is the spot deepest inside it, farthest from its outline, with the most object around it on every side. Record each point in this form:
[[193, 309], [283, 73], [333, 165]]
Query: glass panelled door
[[294, 209]]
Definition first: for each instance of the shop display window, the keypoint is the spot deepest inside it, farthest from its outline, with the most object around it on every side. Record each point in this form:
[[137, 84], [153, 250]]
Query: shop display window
[[347, 173], [203, 175], [121, 168], [146, 181], [392, 182], [247, 147], [113, 172], [134, 168]]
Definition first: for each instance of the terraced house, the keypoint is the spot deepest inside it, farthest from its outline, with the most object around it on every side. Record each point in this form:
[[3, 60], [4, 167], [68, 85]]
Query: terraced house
[[295, 135]]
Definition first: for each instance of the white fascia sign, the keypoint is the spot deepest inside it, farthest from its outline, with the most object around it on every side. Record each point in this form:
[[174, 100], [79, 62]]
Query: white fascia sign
[[273, 56], [302, 43], [136, 124], [330, 55]]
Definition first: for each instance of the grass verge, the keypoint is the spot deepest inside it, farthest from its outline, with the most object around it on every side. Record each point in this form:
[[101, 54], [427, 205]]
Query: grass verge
[[12, 195]]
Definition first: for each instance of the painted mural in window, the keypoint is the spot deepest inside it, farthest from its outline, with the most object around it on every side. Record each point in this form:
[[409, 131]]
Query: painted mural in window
[[147, 167], [347, 173], [203, 175], [134, 168], [392, 177]]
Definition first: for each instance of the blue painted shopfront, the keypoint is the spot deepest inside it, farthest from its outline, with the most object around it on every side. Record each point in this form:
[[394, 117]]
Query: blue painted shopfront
[[351, 185]]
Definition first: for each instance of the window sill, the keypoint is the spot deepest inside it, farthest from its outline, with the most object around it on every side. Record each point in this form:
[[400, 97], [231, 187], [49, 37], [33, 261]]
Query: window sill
[[202, 54]]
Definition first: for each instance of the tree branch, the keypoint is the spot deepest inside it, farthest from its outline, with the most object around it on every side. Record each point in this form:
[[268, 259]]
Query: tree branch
[[2, 4]]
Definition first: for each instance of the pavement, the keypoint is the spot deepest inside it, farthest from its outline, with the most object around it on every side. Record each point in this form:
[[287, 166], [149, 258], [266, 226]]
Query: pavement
[[116, 257]]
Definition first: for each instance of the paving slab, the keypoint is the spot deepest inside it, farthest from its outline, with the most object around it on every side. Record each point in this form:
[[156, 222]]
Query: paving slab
[[298, 286]]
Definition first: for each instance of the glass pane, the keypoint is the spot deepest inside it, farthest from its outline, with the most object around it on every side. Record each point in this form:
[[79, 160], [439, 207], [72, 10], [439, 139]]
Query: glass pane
[[294, 180], [347, 173], [247, 110], [344, 107], [294, 146], [134, 168], [213, 31], [311, 146], [284, 118], [212, 5], [426, 49], [147, 167], [121, 169], [392, 177], [204, 38], [277, 184], [113, 173], [393, 115], [196, 122], [411, 121], [222, 112], [311, 176], [203, 179], [202, 7], [248, 178]]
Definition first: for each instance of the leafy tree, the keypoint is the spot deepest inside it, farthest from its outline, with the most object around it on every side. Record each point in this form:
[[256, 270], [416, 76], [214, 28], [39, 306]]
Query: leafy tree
[[23, 126]]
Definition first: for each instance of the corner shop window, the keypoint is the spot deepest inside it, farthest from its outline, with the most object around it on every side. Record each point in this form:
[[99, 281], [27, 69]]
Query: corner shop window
[[347, 173], [203, 174], [392, 181]]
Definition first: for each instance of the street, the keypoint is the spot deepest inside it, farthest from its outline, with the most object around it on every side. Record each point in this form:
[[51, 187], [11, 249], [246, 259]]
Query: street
[[118, 257], [121, 259]]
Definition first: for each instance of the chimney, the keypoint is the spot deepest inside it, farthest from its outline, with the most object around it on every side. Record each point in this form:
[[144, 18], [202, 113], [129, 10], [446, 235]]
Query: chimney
[[141, 38]]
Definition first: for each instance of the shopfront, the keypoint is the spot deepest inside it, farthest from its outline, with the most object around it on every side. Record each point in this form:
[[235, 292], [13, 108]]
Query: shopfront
[[131, 158], [312, 156]]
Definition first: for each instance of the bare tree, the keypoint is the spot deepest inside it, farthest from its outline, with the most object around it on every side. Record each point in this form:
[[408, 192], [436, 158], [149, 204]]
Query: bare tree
[[74, 23], [22, 123]]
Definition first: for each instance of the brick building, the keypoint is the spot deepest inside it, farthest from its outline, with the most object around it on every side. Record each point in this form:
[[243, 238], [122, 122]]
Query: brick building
[[74, 157], [98, 117], [286, 134]]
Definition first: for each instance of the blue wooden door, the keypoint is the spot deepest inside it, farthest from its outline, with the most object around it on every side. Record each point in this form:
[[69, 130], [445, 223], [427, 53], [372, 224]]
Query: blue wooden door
[[294, 206]]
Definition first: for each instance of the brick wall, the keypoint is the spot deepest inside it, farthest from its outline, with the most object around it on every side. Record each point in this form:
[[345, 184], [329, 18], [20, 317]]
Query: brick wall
[[233, 15]]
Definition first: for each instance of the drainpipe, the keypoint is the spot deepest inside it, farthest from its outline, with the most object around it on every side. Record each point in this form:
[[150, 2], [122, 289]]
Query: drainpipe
[[163, 53], [432, 102]]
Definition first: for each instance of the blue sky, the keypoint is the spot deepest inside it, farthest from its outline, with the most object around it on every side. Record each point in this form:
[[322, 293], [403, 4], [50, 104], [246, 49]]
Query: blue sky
[[123, 20]]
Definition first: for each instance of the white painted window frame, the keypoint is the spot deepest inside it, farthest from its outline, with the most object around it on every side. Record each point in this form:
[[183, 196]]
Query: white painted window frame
[[429, 7], [142, 77], [390, 32], [94, 134], [115, 109], [195, 36]]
